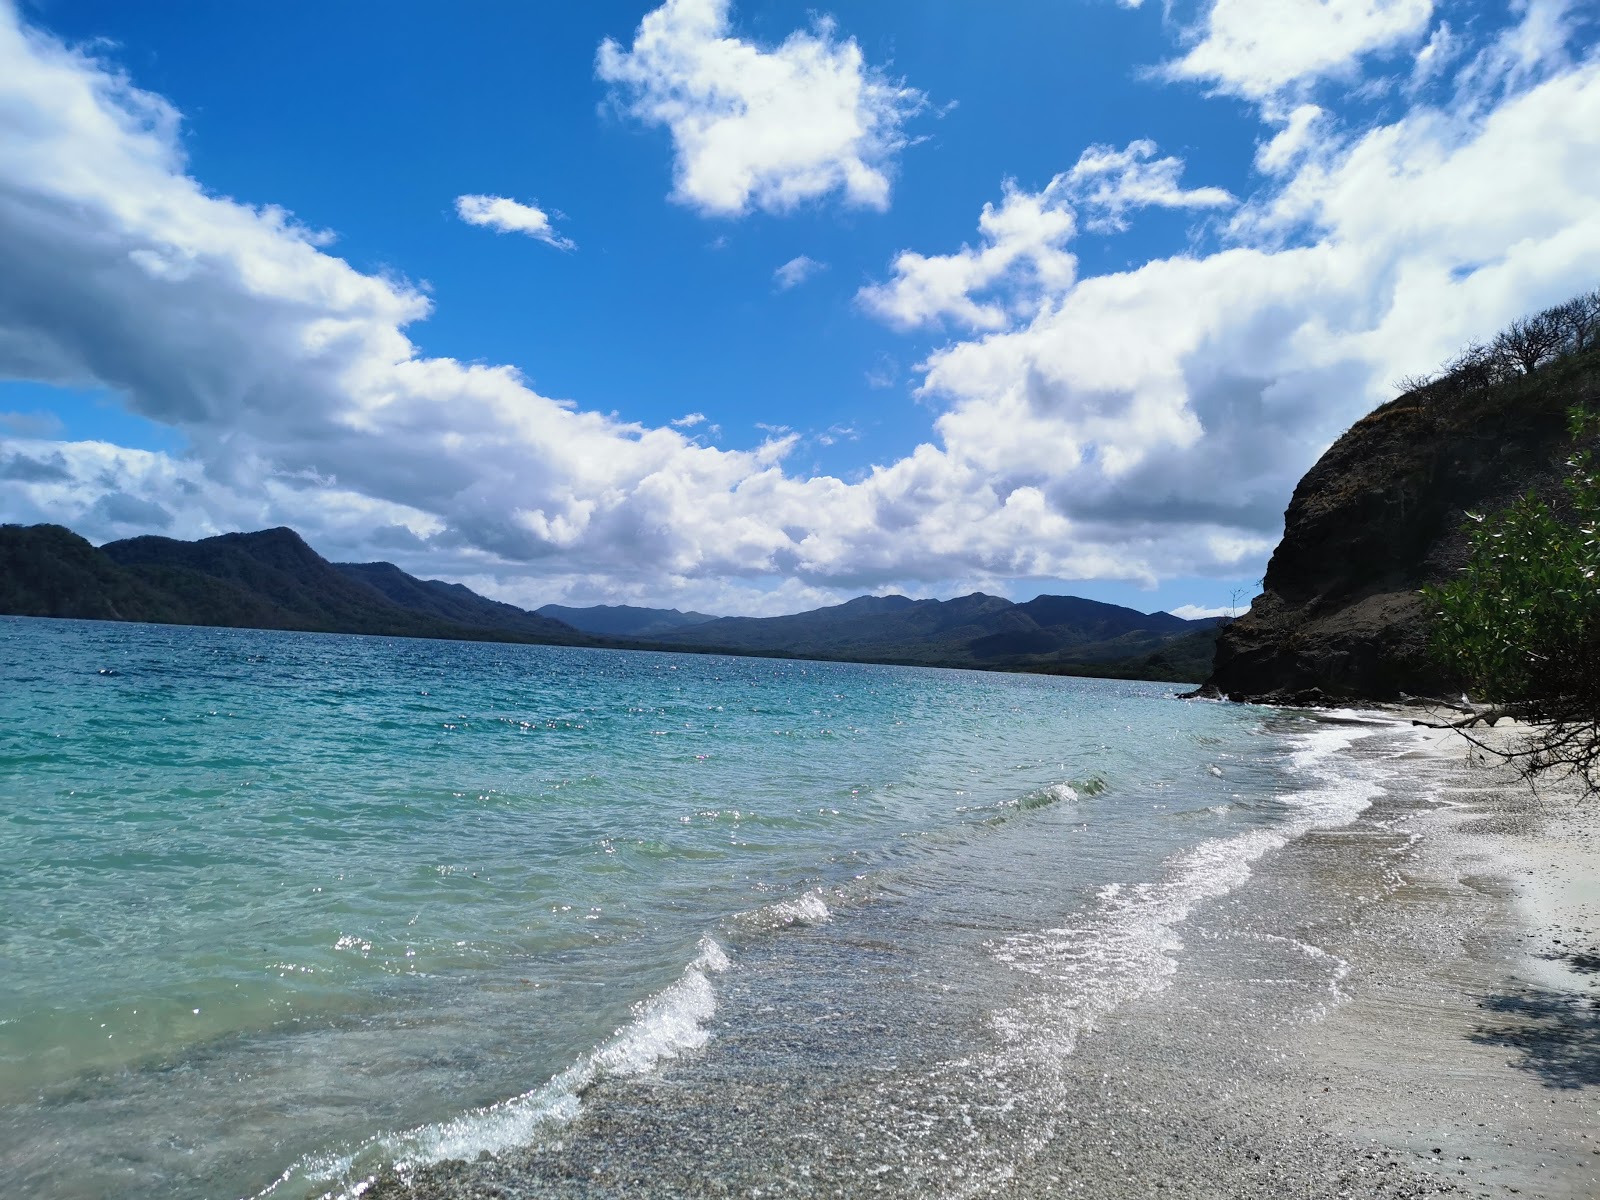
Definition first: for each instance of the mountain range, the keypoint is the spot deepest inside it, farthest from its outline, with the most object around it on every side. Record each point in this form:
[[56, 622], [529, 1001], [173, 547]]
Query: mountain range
[[272, 579], [624, 620], [975, 630]]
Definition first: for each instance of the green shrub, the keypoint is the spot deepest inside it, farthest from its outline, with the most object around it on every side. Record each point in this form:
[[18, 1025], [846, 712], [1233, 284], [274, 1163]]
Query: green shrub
[[1521, 624]]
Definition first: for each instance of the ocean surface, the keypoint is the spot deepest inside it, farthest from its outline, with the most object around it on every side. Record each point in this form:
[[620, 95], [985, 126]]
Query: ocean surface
[[282, 910]]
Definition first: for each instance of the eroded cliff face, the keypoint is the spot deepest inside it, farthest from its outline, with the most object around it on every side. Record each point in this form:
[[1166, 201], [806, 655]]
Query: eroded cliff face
[[1380, 516]]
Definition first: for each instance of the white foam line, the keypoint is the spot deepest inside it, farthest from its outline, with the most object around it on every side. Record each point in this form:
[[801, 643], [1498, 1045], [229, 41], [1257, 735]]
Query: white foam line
[[1127, 945], [808, 908], [664, 1026]]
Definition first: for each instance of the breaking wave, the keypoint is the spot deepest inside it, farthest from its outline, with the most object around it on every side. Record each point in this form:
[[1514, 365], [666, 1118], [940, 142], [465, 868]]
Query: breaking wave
[[664, 1026]]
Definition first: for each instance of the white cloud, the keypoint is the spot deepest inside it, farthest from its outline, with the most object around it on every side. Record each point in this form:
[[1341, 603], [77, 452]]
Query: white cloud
[[1195, 390], [1138, 425], [1023, 253], [885, 373], [508, 216], [1194, 612], [796, 271], [1523, 53], [1022, 259], [1107, 182], [689, 420], [838, 433], [756, 127], [1443, 46], [1258, 48], [1289, 145]]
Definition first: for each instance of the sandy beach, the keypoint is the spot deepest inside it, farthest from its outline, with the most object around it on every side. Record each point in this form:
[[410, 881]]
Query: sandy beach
[[1462, 1054], [1405, 1006]]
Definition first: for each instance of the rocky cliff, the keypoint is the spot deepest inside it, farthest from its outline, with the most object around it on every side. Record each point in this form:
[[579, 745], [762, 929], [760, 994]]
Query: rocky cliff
[[1381, 515]]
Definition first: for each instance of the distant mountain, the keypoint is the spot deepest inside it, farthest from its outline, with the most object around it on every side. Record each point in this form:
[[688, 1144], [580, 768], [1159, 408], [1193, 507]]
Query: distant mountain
[[454, 602], [273, 580], [624, 620], [49, 571], [976, 630], [269, 580], [265, 580], [889, 626]]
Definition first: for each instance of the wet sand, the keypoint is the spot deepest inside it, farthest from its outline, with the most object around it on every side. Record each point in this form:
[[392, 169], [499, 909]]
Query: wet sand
[[1406, 1006], [1463, 1056]]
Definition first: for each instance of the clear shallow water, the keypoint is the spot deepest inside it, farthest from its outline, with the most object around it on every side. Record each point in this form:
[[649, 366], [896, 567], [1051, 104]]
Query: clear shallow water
[[285, 907]]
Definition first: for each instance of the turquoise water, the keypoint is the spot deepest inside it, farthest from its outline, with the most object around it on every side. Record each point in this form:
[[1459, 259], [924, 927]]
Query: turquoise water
[[285, 907]]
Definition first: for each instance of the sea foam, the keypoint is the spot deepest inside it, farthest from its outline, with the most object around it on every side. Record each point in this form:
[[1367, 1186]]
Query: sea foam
[[1126, 943], [664, 1026]]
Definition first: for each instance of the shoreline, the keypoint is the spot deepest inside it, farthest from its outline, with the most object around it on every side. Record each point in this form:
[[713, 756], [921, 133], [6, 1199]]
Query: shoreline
[[1403, 1006], [1462, 1057]]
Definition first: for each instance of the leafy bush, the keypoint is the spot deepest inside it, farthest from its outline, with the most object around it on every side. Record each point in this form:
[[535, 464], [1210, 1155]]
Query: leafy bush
[[1521, 624]]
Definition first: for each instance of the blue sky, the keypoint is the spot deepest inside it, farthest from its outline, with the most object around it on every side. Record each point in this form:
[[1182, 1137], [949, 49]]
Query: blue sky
[[701, 303]]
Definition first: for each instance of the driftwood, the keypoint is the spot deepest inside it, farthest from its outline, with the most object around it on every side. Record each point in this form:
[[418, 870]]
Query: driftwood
[[1562, 735], [1462, 705], [1476, 714]]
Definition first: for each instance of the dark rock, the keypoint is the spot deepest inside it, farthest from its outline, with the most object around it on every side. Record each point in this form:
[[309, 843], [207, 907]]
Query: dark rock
[[1379, 517]]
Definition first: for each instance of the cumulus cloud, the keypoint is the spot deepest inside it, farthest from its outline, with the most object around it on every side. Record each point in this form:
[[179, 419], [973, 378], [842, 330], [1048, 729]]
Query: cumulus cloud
[[1194, 612], [1107, 182], [796, 271], [301, 399], [25, 468], [119, 510], [509, 216], [1196, 389], [1022, 257], [1143, 424], [1258, 48], [1297, 135], [758, 127], [1022, 254]]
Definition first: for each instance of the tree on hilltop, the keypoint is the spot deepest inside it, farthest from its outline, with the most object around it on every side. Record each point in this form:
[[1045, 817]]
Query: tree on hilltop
[[1528, 343], [1524, 347], [1579, 321]]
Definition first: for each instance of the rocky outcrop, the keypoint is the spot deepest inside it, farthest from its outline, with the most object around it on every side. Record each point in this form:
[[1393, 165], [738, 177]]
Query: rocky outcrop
[[1381, 515]]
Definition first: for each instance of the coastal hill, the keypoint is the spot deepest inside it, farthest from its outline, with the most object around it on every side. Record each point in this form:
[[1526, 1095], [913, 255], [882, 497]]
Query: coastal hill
[[272, 579], [624, 620], [265, 580], [455, 602], [975, 630], [1383, 514]]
